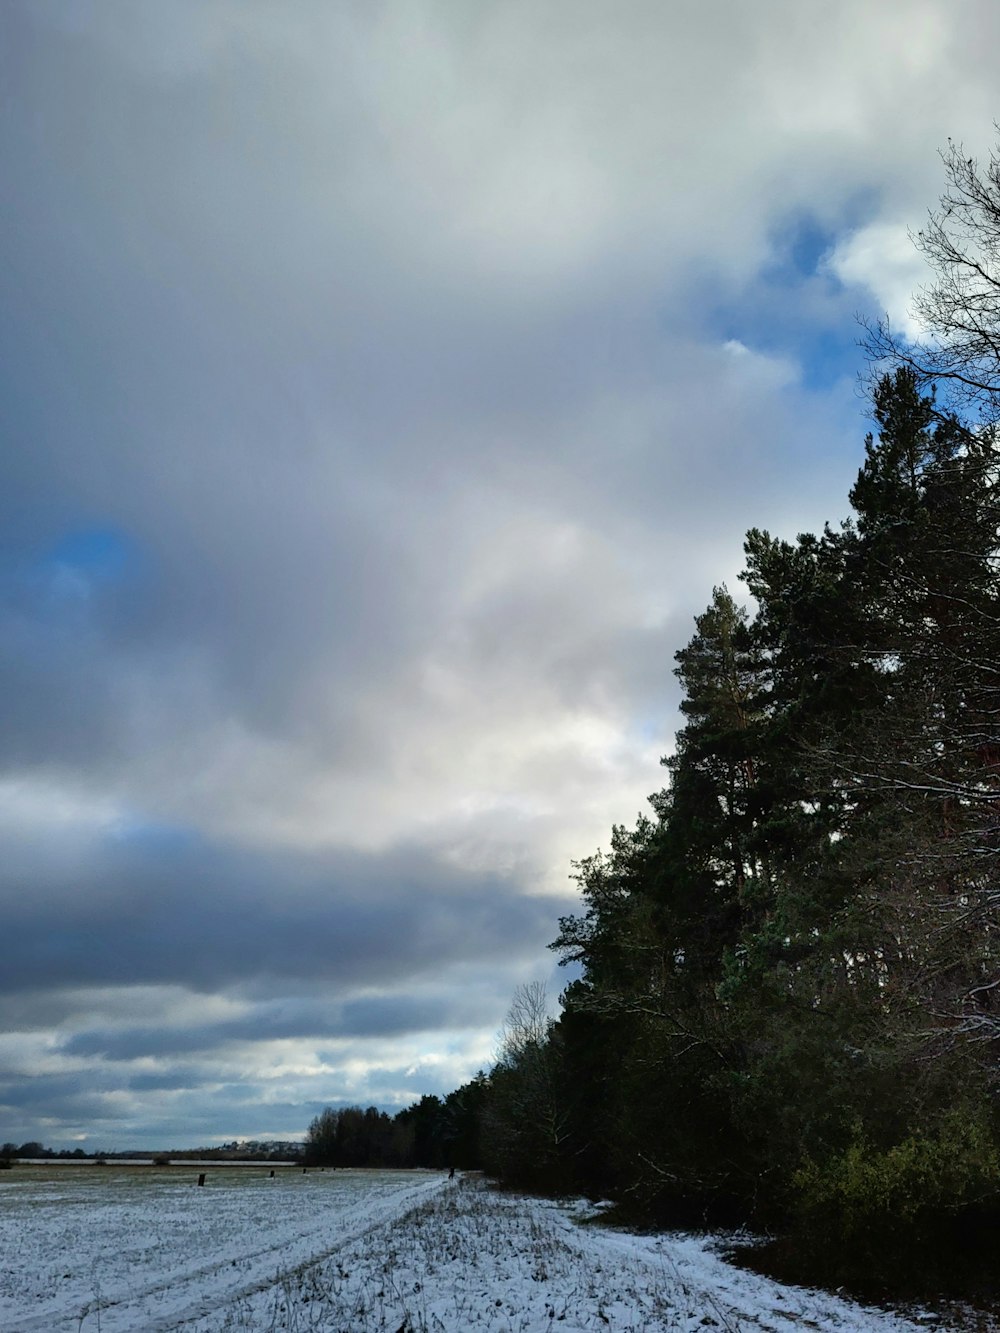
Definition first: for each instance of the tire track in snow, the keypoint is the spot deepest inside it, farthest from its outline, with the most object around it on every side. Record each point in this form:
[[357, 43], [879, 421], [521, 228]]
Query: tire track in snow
[[287, 1255]]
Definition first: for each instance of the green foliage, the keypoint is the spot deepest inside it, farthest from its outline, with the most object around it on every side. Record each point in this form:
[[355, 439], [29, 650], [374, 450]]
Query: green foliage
[[423, 1128], [353, 1137], [872, 1205], [430, 1133], [785, 1011]]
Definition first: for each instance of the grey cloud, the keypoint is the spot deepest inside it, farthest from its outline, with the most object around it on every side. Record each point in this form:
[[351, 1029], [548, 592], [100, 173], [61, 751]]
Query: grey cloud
[[178, 1077], [399, 1014], [391, 342], [209, 917], [65, 1097], [146, 1116], [208, 370]]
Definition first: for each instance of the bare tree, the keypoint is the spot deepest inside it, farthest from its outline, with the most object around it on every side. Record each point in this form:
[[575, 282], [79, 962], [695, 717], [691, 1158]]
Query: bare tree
[[526, 1025], [960, 310], [525, 1117]]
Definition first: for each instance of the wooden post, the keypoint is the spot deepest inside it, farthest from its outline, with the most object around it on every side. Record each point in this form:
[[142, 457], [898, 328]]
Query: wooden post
[[201, 1178]]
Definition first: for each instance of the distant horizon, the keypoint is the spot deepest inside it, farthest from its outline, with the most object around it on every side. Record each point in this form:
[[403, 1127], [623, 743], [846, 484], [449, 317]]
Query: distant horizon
[[88, 1153]]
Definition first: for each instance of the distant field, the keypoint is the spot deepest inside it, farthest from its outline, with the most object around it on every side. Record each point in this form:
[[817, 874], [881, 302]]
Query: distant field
[[144, 1247], [141, 1249]]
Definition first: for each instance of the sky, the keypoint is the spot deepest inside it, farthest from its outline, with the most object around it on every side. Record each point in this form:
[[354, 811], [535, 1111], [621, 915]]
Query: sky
[[384, 386]]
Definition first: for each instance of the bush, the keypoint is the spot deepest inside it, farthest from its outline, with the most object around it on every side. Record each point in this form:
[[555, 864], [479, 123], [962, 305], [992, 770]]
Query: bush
[[868, 1207]]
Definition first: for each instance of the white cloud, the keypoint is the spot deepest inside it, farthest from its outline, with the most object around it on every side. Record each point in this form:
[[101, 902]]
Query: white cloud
[[882, 258], [39, 803]]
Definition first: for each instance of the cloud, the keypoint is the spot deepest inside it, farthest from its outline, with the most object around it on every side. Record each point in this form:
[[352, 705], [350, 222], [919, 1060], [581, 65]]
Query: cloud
[[882, 258], [143, 910], [384, 390]]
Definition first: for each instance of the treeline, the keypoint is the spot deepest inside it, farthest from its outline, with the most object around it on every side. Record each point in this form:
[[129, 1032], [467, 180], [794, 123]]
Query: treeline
[[247, 1150], [433, 1132], [11, 1152], [788, 1013]]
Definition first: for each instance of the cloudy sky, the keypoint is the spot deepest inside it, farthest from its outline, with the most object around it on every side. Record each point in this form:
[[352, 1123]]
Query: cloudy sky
[[383, 387]]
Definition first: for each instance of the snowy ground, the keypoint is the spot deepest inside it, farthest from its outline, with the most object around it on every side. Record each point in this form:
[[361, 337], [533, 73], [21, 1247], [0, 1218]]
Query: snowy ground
[[141, 1250]]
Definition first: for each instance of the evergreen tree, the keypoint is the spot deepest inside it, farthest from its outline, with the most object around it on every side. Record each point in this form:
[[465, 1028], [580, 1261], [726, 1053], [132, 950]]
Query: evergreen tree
[[771, 963]]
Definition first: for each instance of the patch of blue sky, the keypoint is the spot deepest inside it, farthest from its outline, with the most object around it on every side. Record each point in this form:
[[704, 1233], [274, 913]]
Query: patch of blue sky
[[83, 567], [829, 357], [62, 581], [825, 352], [799, 248], [796, 308], [800, 241], [98, 554]]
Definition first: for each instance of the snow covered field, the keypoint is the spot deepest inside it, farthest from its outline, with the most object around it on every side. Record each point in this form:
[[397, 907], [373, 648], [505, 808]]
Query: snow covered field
[[144, 1250]]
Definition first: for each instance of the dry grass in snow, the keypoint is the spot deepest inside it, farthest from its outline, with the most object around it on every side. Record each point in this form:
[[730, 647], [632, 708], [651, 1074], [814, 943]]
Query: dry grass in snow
[[473, 1258], [91, 1250]]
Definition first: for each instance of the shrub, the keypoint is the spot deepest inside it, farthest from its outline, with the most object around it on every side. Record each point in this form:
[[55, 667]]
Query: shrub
[[869, 1206]]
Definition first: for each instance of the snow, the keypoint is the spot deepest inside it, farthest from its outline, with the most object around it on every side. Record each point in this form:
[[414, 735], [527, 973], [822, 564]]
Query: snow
[[144, 1250]]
